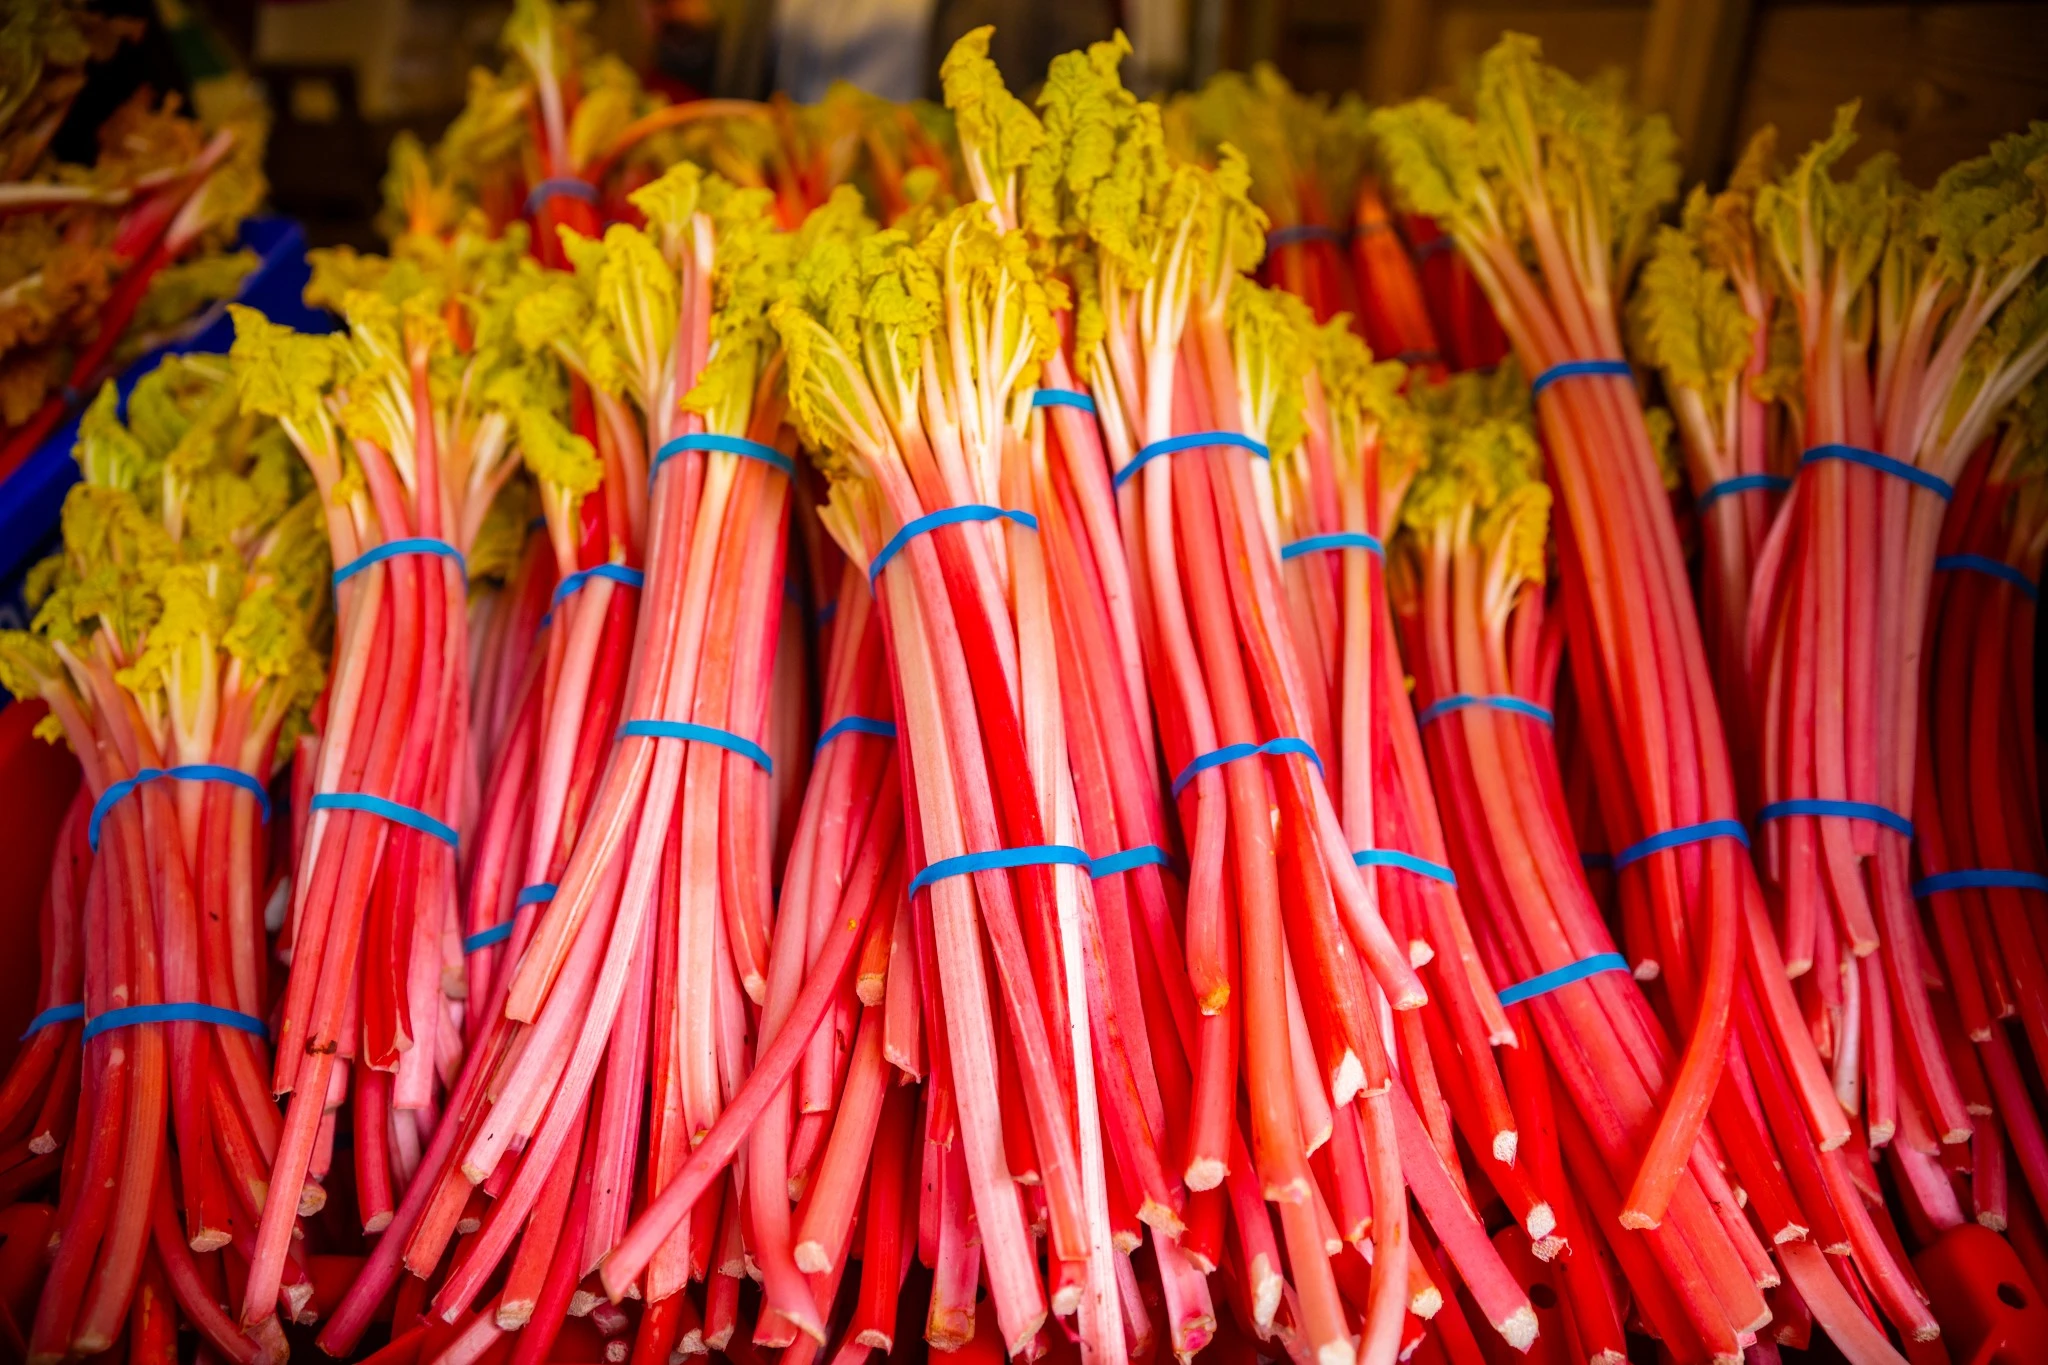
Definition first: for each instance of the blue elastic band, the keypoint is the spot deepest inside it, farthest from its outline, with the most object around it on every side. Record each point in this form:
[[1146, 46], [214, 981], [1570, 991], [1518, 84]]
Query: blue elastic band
[[1039, 855], [1198, 440], [537, 524], [1463, 701], [1981, 879], [1563, 976], [56, 1014], [562, 185], [827, 612], [856, 725], [1231, 753], [1062, 398], [1741, 483], [724, 445], [186, 1012], [1679, 838], [1335, 540], [1883, 464], [184, 772], [1575, 369], [485, 938], [1848, 810], [1127, 860], [390, 810], [617, 573], [1996, 568], [1407, 862], [1422, 251], [945, 516], [701, 734], [540, 893], [1597, 862], [392, 549], [1295, 233]]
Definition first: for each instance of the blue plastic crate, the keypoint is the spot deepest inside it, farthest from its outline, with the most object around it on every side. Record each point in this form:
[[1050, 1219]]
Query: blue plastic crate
[[32, 496]]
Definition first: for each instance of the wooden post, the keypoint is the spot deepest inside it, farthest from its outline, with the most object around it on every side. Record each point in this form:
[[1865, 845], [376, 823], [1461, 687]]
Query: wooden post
[[1691, 69], [1396, 51]]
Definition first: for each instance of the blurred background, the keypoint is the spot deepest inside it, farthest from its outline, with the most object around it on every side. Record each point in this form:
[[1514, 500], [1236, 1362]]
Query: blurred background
[[1939, 80]]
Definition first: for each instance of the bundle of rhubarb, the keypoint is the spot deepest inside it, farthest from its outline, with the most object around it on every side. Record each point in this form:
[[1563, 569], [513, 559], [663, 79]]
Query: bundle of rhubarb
[[1548, 193], [98, 262], [635, 926], [1331, 240], [1486, 655], [1977, 826], [1708, 315], [1920, 317], [178, 643], [410, 422], [1198, 374]]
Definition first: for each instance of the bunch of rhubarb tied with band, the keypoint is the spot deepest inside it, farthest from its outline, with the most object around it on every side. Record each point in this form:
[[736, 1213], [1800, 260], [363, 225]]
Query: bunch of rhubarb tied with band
[[912, 363], [175, 641], [1337, 495], [658, 908], [1891, 410], [409, 424], [1708, 315], [1285, 952], [1514, 190], [1977, 824], [1486, 655]]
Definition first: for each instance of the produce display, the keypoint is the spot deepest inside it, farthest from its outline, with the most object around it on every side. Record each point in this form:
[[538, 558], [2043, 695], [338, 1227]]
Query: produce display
[[1047, 728]]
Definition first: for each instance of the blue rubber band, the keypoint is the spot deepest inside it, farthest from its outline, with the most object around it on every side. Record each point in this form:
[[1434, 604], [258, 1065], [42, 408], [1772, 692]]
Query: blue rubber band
[[1848, 810], [1173, 445], [827, 612], [1296, 233], [1436, 710], [1128, 860], [1335, 540], [185, 1012], [1576, 369], [1679, 838], [1597, 862], [1062, 398], [1741, 483], [701, 734], [184, 772], [1231, 753], [1981, 879], [1996, 568], [540, 893], [1422, 251], [1563, 976], [1407, 862], [723, 445], [617, 573], [945, 516], [367, 804], [559, 185], [855, 725], [1883, 464], [485, 938], [1038, 855], [537, 524], [56, 1014], [392, 549]]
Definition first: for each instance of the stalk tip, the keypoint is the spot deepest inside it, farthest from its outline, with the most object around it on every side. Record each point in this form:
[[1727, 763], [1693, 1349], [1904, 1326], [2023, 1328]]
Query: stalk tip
[[1519, 1331]]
